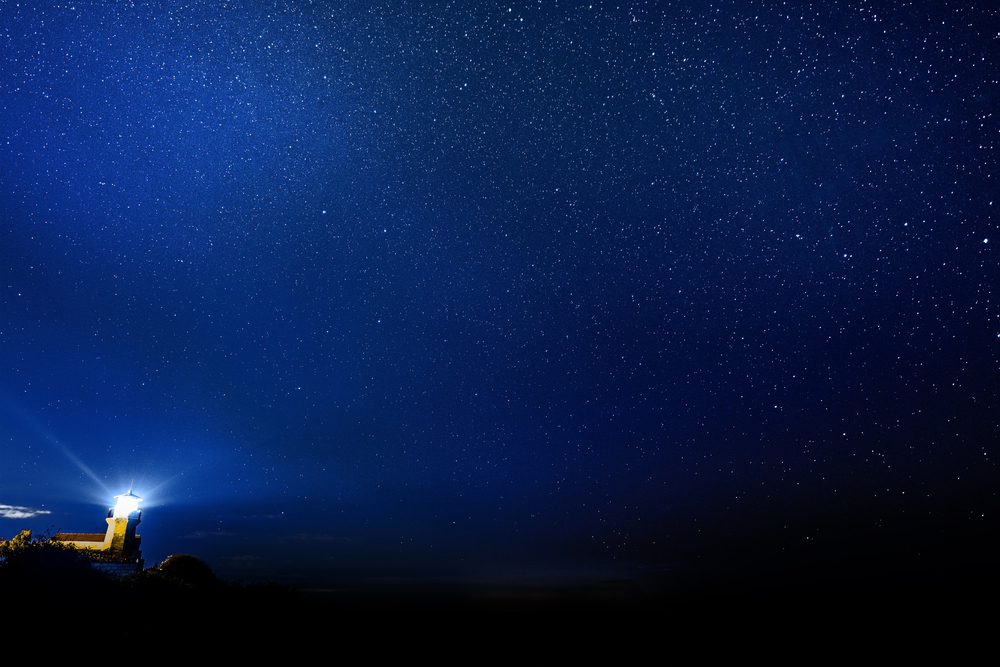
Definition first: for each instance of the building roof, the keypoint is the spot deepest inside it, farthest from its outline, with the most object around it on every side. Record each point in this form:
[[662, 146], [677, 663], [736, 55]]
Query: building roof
[[79, 537]]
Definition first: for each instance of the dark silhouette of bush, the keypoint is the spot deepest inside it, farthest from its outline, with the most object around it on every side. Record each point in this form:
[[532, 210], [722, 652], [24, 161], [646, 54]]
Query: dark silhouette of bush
[[41, 573], [38, 569], [191, 571]]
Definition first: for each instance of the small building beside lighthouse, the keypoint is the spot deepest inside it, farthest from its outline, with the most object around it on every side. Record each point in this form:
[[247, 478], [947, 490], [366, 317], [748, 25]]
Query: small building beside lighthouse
[[120, 544]]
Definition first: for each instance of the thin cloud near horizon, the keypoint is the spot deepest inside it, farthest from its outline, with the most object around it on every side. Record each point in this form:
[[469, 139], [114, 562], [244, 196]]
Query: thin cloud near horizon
[[18, 512]]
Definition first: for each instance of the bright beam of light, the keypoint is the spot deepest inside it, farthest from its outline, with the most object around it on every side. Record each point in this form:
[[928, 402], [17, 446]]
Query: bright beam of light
[[47, 436]]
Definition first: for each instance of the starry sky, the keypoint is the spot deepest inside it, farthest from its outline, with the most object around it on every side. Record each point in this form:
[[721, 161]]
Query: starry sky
[[359, 289]]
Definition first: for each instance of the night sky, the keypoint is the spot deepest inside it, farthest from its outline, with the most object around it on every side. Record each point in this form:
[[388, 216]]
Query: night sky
[[474, 290]]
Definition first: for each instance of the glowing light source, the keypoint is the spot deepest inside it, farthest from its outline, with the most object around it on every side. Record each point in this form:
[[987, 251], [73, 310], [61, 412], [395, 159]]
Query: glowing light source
[[127, 503]]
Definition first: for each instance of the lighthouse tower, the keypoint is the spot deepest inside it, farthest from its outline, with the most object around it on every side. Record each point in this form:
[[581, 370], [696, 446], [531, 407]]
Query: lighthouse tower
[[122, 520]]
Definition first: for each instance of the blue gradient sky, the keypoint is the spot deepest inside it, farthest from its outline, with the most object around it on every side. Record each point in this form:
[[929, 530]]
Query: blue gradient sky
[[430, 287]]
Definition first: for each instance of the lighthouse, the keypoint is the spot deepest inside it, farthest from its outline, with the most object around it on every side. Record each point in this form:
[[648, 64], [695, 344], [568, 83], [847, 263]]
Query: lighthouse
[[119, 546], [122, 520]]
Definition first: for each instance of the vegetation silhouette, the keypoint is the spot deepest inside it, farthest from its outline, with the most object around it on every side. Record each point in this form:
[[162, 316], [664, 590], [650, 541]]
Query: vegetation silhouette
[[38, 570], [40, 564]]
